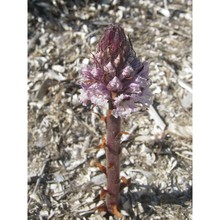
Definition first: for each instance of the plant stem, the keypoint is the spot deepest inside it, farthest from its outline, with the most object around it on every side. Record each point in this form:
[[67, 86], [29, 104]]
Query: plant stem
[[113, 151]]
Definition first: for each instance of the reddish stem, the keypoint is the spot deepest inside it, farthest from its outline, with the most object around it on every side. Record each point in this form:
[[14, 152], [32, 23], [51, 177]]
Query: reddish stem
[[113, 151]]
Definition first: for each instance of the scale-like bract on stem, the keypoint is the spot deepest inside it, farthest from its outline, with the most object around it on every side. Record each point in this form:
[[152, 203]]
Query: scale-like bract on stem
[[116, 79]]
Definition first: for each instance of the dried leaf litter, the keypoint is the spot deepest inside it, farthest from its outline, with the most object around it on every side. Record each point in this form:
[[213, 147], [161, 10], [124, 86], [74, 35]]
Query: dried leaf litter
[[62, 134]]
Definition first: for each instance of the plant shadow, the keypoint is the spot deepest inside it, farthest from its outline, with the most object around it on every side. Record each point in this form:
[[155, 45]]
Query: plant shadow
[[147, 197]]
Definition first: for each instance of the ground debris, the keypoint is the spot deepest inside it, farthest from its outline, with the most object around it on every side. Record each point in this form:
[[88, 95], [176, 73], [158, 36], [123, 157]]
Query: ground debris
[[63, 135]]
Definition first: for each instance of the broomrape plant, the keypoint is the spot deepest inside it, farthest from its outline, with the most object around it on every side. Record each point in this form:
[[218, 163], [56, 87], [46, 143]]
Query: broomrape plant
[[119, 81]]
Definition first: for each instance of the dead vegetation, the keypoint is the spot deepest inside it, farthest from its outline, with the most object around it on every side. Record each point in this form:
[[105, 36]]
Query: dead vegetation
[[63, 134]]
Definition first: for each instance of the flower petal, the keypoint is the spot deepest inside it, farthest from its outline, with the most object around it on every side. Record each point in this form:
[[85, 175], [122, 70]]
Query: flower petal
[[124, 106], [115, 85], [98, 94]]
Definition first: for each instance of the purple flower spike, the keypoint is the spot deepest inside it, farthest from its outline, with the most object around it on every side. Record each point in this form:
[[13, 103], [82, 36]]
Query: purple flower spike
[[116, 76], [119, 80]]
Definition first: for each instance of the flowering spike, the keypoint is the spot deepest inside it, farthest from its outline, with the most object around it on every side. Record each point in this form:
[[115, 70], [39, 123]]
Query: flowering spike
[[116, 76], [118, 80]]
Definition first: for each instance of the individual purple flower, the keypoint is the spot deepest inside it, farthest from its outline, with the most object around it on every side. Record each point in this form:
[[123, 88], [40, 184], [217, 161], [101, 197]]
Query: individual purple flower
[[116, 76], [115, 85]]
